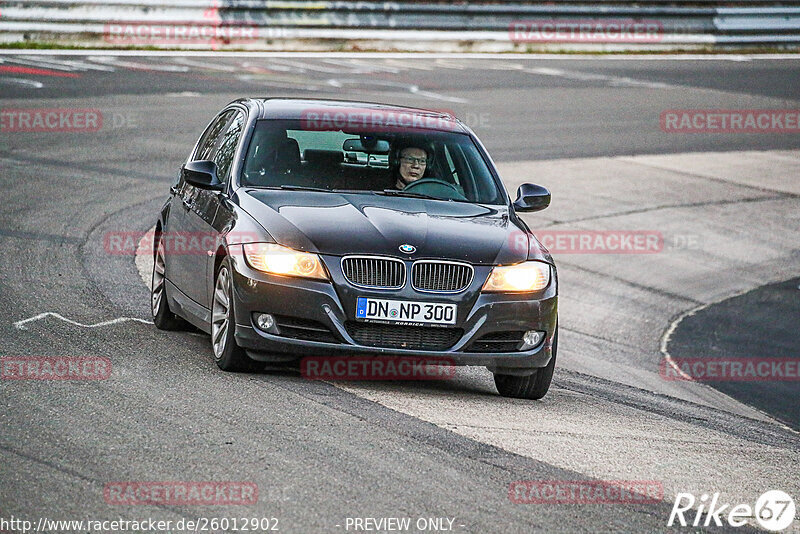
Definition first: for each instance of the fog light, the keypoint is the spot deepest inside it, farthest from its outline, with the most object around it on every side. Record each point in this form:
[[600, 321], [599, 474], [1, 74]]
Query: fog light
[[266, 322], [531, 339]]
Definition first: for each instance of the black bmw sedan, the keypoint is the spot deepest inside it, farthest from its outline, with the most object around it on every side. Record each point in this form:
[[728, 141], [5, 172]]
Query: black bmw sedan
[[341, 229]]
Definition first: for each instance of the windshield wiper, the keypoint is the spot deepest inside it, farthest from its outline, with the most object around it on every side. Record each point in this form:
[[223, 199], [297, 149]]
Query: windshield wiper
[[396, 193]]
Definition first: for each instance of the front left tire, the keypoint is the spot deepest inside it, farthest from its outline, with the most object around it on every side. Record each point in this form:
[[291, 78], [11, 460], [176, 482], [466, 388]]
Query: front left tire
[[227, 354], [534, 386], [163, 317]]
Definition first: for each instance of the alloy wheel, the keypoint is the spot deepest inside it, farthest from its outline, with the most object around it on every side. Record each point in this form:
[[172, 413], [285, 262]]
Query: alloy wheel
[[159, 268], [220, 313]]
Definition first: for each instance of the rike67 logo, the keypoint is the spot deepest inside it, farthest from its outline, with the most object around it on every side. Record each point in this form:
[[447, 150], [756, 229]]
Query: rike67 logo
[[774, 510]]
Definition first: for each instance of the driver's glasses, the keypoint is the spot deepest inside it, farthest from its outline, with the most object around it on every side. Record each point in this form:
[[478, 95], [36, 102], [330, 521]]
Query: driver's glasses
[[408, 160]]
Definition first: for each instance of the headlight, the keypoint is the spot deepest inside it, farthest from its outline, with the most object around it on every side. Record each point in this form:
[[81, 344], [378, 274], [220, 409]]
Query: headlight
[[275, 259], [528, 276]]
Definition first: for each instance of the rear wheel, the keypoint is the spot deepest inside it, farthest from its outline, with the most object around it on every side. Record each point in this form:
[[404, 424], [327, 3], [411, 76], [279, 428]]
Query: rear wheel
[[533, 386], [163, 317], [227, 354]]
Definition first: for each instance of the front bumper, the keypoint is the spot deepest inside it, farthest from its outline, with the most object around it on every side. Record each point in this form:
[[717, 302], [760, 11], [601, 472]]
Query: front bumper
[[332, 305]]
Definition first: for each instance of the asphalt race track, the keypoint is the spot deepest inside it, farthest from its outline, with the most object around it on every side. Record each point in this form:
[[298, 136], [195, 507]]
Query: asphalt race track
[[727, 206], [728, 327]]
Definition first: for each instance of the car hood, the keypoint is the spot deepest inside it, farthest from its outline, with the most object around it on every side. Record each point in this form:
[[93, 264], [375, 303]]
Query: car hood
[[341, 223]]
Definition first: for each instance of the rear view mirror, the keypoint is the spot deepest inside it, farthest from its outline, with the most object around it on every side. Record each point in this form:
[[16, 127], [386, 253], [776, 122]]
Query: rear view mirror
[[531, 197], [202, 174], [369, 145]]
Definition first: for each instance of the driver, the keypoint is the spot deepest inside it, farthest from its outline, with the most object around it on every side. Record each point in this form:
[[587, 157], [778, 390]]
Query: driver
[[413, 162]]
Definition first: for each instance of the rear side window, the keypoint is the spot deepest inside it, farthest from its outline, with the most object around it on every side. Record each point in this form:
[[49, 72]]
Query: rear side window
[[206, 149]]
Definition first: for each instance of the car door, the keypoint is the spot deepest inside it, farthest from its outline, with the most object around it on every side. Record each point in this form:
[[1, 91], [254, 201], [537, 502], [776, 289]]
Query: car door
[[187, 265], [208, 202]]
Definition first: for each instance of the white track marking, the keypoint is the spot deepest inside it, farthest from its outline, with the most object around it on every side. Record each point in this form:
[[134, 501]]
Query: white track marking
[[408, 66], [138, 66], [404, 55], [436, 96], [364, 68], [273, 67], [206, 65], [48, 62], [267, 82], [668, 334], [20, 325], [74, 63], [22, 81], [42, 64], [309, 66], [614, 81], [363, 85], [88, 66], [455, 64]]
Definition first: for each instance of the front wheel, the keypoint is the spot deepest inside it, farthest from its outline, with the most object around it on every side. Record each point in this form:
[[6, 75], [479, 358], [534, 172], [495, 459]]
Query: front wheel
[[533, 386], [163, 317], [227, 354]]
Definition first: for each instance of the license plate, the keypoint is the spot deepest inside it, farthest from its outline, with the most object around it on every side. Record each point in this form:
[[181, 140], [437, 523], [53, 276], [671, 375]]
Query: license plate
[[405, 311]]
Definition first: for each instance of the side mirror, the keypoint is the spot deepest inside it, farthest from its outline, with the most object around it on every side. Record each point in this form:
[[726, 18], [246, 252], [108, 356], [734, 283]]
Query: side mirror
[[202, 174], [532, 197]]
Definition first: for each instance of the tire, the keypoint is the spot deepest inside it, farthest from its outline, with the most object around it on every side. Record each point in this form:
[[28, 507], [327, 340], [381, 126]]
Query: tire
[[532, 387], [227, 354], [163, 317]]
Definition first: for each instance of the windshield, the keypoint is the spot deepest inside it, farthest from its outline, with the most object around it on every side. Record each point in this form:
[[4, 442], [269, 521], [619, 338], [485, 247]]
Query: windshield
[[442, 165]]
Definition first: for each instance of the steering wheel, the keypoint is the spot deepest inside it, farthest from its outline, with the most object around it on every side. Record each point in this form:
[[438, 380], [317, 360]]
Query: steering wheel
[[435, 188]]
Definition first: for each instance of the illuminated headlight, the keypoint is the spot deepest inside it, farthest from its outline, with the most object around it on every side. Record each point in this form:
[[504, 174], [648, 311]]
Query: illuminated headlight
[[275, 259], [527, 276]]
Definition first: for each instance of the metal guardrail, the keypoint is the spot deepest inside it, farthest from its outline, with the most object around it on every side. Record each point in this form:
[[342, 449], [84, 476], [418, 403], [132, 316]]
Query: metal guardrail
[[679, 22]]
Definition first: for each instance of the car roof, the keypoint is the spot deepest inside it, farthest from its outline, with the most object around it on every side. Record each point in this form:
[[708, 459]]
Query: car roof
[[299, 108]]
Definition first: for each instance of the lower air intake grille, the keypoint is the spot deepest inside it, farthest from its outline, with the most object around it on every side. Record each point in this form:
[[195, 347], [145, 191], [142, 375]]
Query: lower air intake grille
[[305, 329], [497, 342], [403, 337]]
